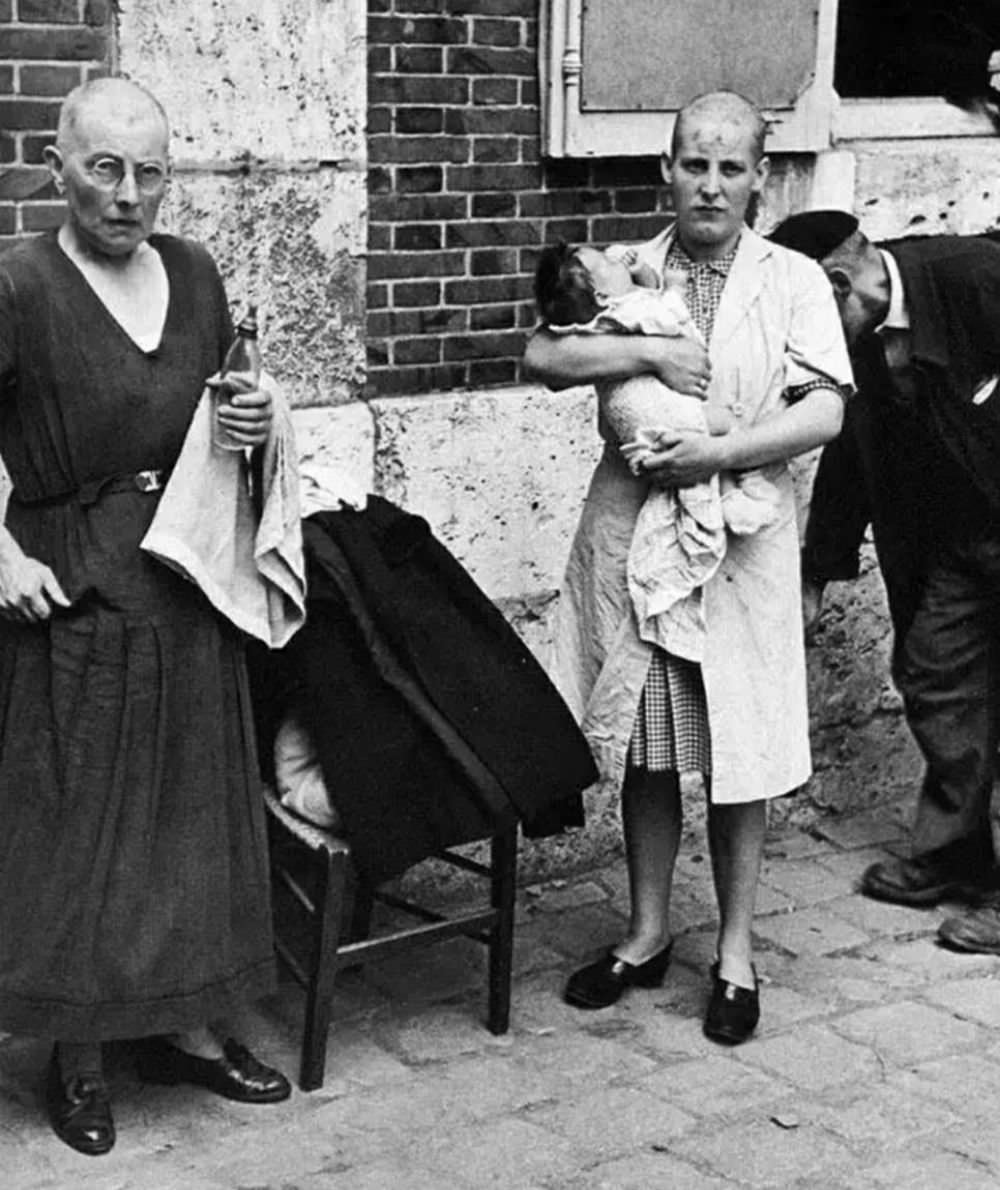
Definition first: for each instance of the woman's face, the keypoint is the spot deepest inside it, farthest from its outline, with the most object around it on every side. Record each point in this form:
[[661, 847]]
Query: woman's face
[[113, 166]]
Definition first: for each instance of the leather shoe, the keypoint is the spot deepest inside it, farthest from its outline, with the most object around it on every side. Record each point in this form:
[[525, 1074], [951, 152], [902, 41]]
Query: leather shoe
[[733, 1011], [237, 1074], [922, 880], [600, 984], [80, 1111], [977, 931]]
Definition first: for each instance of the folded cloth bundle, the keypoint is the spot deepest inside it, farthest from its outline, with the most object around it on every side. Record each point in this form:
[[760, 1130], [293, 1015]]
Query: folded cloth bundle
[[251, 569]]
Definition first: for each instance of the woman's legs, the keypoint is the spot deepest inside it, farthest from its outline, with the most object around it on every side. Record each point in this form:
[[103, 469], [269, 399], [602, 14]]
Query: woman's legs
[[651, 819], [736, 840]]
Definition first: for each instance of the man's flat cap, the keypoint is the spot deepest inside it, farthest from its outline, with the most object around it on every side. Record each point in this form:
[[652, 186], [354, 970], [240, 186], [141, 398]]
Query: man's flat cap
[[816, 233]]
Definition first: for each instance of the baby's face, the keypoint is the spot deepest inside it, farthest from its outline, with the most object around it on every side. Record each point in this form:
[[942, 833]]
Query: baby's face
[[610, 278]]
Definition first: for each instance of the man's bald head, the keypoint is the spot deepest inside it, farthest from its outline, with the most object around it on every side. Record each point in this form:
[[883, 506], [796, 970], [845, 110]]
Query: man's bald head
[[727, 110], [116, 99]]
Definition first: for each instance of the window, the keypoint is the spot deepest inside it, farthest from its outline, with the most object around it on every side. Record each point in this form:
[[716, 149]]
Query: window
[[615, 73]]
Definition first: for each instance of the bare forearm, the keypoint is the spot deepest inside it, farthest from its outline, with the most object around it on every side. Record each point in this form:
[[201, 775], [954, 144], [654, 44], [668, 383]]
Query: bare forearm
[[812, 422], [561, 361]]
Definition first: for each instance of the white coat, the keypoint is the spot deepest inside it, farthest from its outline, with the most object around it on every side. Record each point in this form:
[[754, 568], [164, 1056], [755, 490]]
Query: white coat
[[777, 324]]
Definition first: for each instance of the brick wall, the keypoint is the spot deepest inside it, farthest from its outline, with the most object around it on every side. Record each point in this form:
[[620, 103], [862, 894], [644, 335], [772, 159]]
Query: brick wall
[[47, 47], [459, 198]]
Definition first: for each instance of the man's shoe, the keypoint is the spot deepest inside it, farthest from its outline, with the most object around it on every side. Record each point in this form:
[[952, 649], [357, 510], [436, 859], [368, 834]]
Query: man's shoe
[[237, 1074], [922, 880], [977, 931], [80, 1111], [733, 1011], [601, 984]]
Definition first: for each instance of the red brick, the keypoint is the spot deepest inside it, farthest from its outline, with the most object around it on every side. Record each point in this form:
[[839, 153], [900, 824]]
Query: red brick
[[379, 59], [393, 381], [49, 79], [6, 10], [492, 371], [18, 115], [417, 120], [25, 181], [379, 120], [565, 202], [9, 242], [487, 289], [418, 59], [8, 148], [490, 91], [379, 6], [379, 238], [402, 264], [41, 216], [417, 208], [491, 121], [442, 320], [416, 351], [500, 8], [398, 323], [493, 262], [60, 45], [423, 179], [529, 92], [565, 173], [476, 60], [496, 33], [376, 352], [414, 150], [416, 293], [49, 12], [377, 296], [628, 171], [494, 206], [531, 150], [573, 231], [487, 234], [33, 146], [635, 227], [390, 88], [379, 181], [8, 219], [492, 318], [495, 149], [419, 237], [97, 12], [6, 80], [417, 31], [459, 347], [492, 177]]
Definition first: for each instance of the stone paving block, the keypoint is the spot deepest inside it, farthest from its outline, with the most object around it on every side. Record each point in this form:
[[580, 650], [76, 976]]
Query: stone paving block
[[492, 1085], [926, 958], [392, 1173], [883, 918], [438, 1032], [880, 1117], [670, 1038], [967, 1084], [977, 1144], [501, 1153], [558, 895], [770, 901], [805, 881], [582, 1060], [645, 1171], [791, 843], [531, 952], [929, 1171], [609, 1122], [583, 934], [861, 830], [810, 931], [832, 980], [976, 999], [714, 1086], [906, 1034], [431, 973], [812, 1058], [763, 1154], [850, 866], [782, 1008]]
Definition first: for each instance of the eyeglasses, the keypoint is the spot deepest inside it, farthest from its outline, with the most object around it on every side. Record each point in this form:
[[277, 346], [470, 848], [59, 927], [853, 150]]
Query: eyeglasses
[[109, 172]]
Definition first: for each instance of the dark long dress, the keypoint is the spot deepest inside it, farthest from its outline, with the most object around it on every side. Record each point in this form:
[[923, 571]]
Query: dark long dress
[[133, 878]]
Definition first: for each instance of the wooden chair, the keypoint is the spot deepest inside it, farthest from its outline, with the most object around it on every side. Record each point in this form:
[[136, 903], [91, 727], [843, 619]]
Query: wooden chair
[[313, 865]]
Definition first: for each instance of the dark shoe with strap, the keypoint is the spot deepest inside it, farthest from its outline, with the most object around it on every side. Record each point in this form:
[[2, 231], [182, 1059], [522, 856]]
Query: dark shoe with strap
[[977, 932], [925, 880], [601, 984], [733, 1011], [80, 1110], [237, 1074]]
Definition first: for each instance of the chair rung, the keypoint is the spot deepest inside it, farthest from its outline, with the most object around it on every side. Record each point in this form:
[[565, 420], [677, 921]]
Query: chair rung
[[296, 889], [404, 940], [461, 861], [291, 962]]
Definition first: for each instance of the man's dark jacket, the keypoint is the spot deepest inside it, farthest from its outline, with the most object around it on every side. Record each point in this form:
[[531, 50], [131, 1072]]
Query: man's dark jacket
[[923, 470], [433, 722]]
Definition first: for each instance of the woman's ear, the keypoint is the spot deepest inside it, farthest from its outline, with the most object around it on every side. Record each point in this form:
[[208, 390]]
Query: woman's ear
[[53, 159]]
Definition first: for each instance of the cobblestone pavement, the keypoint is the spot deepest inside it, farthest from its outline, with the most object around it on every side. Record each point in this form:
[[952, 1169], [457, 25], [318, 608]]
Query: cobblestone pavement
[[877, 1063]]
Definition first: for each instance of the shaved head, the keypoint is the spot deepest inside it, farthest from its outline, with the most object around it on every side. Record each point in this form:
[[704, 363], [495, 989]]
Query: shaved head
[[116, 99], [727, 111]]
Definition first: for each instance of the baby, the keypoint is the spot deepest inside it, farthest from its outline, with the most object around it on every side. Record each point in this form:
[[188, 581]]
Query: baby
[[680, 536]]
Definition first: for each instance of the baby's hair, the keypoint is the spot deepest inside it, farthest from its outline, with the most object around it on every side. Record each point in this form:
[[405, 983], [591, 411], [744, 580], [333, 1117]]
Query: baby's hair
[[564, 292]]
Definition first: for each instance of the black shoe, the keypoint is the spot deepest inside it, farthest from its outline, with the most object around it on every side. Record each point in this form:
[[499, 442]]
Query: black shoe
[[924, 880], [236, 1075], [80, 1112], [733, 1011], [601, 984]]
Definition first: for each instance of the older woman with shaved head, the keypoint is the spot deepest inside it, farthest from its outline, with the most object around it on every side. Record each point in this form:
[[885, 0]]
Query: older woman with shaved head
[[133, 876]]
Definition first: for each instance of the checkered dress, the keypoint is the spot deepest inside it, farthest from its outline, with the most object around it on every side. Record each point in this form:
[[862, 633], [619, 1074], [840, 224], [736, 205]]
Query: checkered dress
[[671, 724]]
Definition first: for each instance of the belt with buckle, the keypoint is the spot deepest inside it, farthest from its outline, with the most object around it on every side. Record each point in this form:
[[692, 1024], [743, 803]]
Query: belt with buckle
[[89, 493]]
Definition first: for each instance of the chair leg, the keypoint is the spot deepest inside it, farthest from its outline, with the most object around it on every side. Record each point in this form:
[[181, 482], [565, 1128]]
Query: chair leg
[[503, 884], [361, 911], [329, 901]]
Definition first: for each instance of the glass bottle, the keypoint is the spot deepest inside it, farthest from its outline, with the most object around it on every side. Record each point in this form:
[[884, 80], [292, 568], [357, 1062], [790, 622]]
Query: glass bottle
[[242, 361]]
